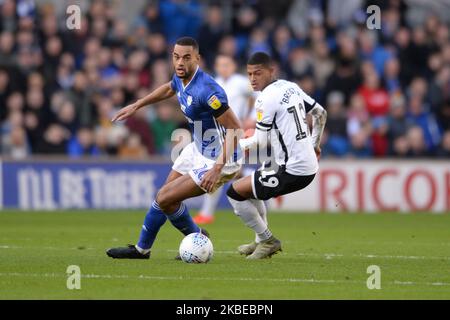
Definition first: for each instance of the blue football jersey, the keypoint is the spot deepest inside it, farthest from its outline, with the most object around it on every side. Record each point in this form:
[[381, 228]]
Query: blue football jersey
[[202, 100]]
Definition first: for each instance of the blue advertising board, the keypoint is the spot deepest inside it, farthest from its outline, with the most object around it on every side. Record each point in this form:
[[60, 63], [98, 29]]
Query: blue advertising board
[[52, 185]]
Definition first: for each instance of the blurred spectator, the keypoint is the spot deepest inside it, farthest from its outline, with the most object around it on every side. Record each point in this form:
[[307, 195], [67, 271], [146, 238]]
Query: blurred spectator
[[359, 127], [104, 146], [8, 16], [15, 144], [323, 64], [377, 103], [54, 140], [336, 128], [345, 79], [444, 115], [82, 144], [162, 127], [416, 141], [283, 43], [152, 17], [370, 50], [420, 51], [298, 17], [211, 33], [34, 129], [139, 125], [236, 86], [339, 15], [258, 41], [246, 19], [439, 91], [132, 148], [180, 17], [392, 75], [300, 63], [157, 47], [79, 94], [66, 117], [7, 58], [420, 117], [444, 148], [4, 92], [382, 88], [404, 53], [375, 97], [397, 121], [228, 46]]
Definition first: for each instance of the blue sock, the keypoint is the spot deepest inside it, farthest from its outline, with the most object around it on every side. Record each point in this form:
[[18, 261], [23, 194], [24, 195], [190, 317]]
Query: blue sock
[[154, 219], [182, 220]]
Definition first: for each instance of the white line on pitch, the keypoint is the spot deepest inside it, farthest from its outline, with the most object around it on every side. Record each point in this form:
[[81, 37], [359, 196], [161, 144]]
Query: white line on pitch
[[333, 255], [145, 277], [327, 256]]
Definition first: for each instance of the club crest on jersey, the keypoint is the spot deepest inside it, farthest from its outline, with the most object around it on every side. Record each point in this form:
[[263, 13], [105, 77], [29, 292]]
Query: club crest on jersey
[[259, 115], [189, 100], [214, 102]]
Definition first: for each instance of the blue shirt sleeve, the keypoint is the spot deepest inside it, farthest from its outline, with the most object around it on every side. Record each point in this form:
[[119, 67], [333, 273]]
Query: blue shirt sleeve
[[216, 99]]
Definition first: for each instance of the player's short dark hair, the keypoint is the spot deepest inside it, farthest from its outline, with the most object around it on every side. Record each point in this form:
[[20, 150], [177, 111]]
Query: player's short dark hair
[[187, 41], [261, 58]]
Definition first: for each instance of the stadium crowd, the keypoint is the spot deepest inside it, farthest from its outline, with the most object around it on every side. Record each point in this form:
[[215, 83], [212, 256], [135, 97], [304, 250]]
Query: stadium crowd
[[387, 91]]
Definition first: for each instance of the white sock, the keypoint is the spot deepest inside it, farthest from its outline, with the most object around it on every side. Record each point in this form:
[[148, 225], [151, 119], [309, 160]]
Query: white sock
[[210, 202], [263, 236], [248, 213], [142, 251], [261, 207], [262, 210]]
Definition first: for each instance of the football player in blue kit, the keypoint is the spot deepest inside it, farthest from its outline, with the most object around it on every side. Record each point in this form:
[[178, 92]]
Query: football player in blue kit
[[211, 160]]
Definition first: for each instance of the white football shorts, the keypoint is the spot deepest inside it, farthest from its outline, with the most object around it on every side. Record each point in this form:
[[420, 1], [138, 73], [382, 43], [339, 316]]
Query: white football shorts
[[192, 162]]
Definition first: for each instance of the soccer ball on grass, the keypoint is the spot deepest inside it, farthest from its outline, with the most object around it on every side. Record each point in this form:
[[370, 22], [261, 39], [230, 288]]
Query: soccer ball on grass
[[196, 248]]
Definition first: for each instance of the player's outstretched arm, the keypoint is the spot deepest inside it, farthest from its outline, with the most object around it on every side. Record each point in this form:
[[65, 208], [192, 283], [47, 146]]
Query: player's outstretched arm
[[319, 118], [234, 132], [259, 138], [163, 92]]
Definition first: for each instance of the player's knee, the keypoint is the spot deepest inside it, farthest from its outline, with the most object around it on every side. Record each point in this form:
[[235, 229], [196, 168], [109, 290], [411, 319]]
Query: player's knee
[[163, 200], [232, 193]]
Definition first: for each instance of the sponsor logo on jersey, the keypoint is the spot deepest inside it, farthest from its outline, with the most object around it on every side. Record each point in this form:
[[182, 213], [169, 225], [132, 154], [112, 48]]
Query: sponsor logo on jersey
[[214, 102]]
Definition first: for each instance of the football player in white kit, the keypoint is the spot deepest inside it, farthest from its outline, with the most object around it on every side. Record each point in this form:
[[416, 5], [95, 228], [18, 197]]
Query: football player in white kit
[[281, 110], [240, 97]]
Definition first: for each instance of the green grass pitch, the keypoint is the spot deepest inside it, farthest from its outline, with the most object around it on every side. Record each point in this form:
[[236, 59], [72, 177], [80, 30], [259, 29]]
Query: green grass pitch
[[325, 256]]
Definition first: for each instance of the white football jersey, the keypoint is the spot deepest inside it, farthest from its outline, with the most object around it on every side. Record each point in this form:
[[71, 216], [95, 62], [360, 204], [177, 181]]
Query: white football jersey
[[281, 108], [238, 90]]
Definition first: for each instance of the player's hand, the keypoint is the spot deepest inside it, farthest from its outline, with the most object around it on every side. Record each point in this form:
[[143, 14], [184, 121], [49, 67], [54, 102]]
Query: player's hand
[[318, 152], [125, 113], [210, 178]]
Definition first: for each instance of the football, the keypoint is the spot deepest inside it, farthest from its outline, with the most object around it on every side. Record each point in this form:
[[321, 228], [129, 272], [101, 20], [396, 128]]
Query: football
[[196, 248]]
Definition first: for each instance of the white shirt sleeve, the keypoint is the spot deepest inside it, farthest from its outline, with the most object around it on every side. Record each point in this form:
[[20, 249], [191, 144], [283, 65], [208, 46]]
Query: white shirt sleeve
[[309, 102], [265, 112]]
